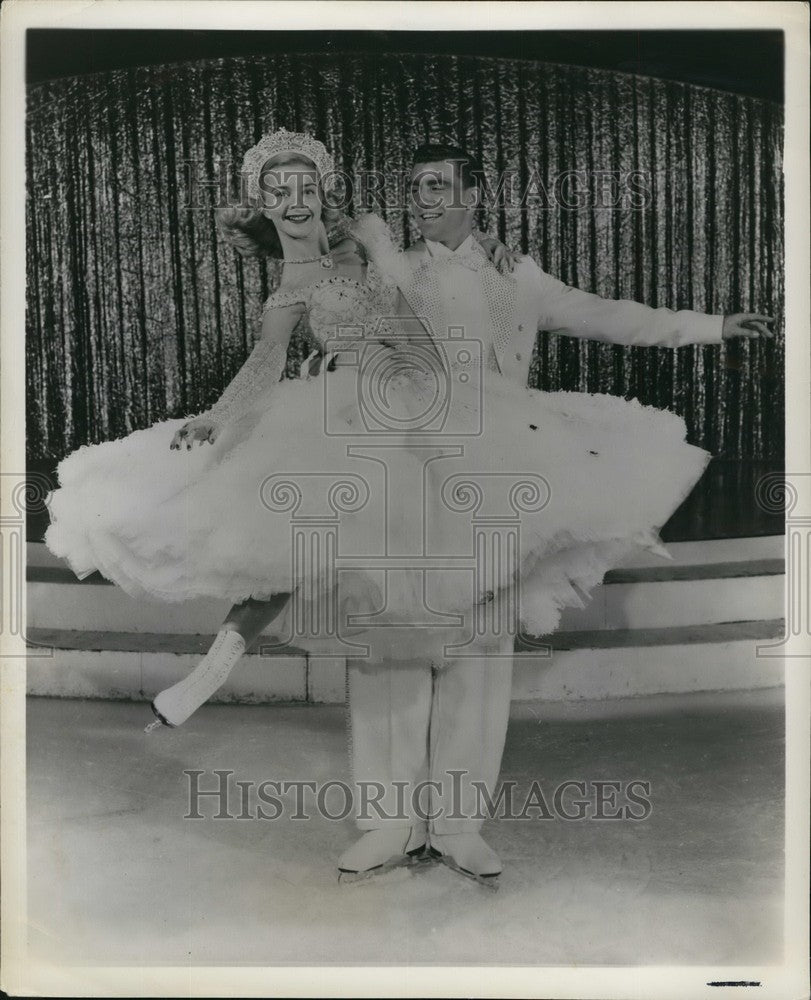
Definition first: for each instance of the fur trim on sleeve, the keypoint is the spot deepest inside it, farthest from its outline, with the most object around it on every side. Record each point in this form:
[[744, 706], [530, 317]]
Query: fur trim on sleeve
[[375, 237]]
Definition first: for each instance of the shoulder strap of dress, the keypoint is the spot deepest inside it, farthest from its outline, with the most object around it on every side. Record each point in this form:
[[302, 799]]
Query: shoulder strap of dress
[[286, 297]]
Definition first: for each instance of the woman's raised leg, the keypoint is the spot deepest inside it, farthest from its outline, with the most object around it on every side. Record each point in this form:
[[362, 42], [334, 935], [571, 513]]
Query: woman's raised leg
[[243, 625]]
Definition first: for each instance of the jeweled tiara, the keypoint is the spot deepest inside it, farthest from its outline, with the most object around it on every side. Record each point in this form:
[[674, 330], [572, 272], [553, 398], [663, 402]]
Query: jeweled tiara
[[283, 141]]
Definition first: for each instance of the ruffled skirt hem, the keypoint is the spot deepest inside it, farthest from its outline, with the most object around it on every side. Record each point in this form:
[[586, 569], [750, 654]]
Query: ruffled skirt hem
[[528, 513]]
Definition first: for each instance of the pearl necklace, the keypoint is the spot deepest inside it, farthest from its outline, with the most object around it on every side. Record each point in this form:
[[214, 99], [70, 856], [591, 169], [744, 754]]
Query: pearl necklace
[[324, 258]]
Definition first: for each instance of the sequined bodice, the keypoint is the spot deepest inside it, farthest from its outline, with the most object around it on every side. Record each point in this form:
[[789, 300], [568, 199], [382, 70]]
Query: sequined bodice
[[342, 308]]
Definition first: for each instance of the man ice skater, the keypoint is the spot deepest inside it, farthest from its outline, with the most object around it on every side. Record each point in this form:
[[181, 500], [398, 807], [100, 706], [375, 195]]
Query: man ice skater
[[432, 719]]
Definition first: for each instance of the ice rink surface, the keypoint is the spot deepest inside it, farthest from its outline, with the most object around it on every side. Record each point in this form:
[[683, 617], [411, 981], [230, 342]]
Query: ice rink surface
[[117, 875]]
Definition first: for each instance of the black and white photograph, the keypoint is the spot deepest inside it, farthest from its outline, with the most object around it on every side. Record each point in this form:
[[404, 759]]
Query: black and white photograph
[[406, 499]]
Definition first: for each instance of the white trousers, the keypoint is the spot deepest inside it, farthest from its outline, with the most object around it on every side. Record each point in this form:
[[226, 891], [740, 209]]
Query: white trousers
[[426, 736]]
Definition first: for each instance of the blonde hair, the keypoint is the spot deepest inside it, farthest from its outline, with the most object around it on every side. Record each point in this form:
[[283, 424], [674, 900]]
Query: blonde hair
[[251, 233]]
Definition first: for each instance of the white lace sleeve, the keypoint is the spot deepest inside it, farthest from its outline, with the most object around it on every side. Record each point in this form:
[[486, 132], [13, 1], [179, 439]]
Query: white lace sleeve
[[262, 369]]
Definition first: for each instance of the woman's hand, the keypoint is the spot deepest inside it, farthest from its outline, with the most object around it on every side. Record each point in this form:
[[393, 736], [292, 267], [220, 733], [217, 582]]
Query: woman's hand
[[501, 256], [200, 429]]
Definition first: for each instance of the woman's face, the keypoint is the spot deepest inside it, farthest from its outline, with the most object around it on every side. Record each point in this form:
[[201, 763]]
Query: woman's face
[[292, 198]]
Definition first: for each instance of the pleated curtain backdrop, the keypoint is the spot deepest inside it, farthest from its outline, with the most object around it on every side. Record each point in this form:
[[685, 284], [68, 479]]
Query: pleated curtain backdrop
[[137, 312]]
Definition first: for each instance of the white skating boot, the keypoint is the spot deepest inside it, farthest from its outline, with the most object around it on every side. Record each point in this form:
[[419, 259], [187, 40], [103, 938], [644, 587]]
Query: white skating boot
[[469, 855], [174, 705], [381, 850]]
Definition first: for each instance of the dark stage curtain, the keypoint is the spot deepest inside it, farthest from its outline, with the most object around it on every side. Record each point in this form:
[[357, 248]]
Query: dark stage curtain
[[136, 312]]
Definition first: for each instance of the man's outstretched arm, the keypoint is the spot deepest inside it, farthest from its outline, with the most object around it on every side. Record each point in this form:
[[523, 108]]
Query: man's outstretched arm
[[574, 313]]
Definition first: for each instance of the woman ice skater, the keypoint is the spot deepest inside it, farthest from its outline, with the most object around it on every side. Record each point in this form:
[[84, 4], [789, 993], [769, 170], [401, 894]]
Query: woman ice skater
[[174, 522]]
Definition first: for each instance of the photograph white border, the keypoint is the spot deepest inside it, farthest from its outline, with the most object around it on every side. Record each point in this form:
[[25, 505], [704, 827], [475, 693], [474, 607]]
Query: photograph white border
[[18, 976]]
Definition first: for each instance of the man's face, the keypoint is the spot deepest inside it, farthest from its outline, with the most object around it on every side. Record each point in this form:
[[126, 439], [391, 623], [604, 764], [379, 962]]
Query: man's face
[[440, 206]]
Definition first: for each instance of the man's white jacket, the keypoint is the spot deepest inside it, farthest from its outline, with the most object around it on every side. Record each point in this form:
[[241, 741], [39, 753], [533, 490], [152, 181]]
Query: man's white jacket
[[541, 302]]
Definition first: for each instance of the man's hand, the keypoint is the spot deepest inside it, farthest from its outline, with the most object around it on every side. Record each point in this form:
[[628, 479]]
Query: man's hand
[[747, 325]]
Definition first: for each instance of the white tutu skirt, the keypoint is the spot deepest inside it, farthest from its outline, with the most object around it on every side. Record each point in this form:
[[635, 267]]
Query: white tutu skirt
[[394, 522]]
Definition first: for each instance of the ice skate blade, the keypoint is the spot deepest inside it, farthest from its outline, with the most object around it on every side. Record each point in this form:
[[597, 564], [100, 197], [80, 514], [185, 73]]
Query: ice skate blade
[[485, 881], [411, 860], [160, 721]]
